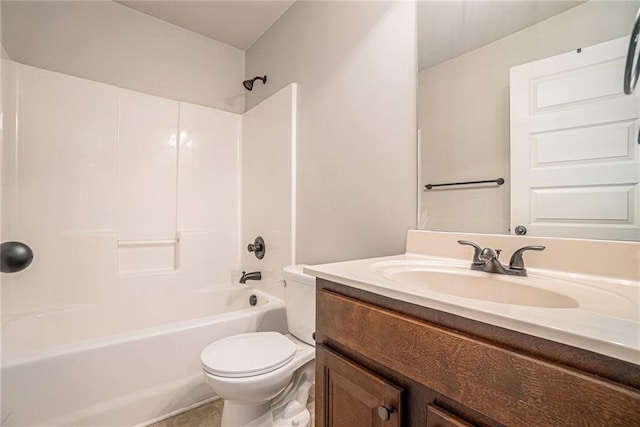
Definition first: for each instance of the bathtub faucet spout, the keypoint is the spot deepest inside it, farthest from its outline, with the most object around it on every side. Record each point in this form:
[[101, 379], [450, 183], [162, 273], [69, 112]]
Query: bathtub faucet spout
[[254, 275]]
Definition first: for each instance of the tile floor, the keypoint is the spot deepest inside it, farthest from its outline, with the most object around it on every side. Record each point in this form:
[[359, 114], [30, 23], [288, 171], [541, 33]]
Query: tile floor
[[209, 415]]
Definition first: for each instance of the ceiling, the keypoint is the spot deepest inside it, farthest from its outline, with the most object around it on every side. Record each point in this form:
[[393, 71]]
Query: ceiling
[[238, 23], [447, 28], [451, 28]]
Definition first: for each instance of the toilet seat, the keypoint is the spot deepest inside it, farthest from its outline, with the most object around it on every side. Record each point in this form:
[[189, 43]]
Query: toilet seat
[[247, 355]]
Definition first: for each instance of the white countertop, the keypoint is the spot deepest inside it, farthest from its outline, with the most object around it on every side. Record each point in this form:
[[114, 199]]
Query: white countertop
[[595, 325]]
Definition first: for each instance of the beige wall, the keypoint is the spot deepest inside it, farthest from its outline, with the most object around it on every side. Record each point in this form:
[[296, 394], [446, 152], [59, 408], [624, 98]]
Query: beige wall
[[463, 114], [355, 65], [110, 43]]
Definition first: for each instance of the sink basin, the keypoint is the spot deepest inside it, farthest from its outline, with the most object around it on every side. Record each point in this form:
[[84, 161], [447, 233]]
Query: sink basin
[[448, 278], [482, 287], [476, 285]]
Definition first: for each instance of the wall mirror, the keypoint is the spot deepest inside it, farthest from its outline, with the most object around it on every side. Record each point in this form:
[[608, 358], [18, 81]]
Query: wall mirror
[[530, 92]]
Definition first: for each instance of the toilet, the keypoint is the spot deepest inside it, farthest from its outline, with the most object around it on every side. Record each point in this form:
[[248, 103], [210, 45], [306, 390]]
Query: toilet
[[265, 377]]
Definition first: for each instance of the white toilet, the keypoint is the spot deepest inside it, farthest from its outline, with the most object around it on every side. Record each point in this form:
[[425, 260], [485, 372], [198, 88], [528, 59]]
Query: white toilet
[[265, 377]]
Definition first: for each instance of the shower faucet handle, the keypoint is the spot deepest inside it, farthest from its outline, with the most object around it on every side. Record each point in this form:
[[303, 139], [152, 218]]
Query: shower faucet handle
[[252, 247], [258, 247]]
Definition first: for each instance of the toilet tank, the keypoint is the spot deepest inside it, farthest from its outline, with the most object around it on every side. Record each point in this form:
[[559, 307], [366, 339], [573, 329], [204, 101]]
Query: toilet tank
[[300, 302]]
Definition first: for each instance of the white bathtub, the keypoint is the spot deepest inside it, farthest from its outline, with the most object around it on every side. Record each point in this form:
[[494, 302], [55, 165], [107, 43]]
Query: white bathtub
[[120, 379]]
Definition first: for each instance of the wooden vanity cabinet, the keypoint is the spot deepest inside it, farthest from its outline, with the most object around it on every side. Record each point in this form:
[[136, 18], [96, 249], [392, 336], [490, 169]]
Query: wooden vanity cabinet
[[379, 358]]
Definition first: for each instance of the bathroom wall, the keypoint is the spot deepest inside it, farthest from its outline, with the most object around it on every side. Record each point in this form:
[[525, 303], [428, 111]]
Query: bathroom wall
[[467, 99], [111, 43], [268, 186], [355, 65], [123, 196]]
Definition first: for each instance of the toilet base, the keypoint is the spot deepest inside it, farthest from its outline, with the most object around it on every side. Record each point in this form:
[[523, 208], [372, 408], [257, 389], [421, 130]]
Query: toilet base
[[303, 419], [234, 415], [249, 415], [288, 409]]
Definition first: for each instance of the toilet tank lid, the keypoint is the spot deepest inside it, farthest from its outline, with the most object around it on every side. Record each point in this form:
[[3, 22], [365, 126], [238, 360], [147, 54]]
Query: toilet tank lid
[[294, 272]]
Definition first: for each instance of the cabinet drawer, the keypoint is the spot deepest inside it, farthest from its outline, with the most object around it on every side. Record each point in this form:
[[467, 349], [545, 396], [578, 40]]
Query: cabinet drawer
[[509, 387]]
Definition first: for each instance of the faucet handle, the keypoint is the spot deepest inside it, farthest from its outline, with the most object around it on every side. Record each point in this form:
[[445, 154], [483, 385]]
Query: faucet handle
[[477, 251], [258, 247], [516, 262]]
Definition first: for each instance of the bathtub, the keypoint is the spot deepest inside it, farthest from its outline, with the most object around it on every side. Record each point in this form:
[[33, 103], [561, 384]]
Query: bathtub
[[120, 378]]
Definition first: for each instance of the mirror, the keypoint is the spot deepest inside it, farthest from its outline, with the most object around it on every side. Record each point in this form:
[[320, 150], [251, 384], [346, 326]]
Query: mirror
[[500, 74]]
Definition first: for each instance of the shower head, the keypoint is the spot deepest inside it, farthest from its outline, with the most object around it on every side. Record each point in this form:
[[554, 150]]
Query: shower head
[[248, 84]]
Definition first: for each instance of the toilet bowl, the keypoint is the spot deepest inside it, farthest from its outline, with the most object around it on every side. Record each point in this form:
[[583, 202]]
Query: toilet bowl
[[265, 377]]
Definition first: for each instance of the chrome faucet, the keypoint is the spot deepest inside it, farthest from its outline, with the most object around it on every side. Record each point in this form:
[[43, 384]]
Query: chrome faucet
[[254, 275], [487, 259]]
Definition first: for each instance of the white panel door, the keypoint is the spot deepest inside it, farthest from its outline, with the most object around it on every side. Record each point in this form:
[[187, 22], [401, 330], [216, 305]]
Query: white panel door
[[575, 166]]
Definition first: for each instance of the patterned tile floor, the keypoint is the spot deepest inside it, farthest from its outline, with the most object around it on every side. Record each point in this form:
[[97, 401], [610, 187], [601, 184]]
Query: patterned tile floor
[[210, 414]]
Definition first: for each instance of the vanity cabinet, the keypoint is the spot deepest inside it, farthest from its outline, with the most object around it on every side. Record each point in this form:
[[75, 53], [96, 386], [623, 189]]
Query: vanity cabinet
[[430, 368]]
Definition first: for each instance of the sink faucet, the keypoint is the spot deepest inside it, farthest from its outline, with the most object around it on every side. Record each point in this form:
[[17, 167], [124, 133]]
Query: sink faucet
[[487, 259], [254, 275]]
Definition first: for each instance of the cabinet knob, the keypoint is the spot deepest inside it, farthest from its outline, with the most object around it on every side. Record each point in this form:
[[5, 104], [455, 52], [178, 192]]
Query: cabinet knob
[[384, 412]]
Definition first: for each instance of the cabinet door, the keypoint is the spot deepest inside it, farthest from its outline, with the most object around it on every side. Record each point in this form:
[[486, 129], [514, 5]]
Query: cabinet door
[[438, 417], [352, 396]]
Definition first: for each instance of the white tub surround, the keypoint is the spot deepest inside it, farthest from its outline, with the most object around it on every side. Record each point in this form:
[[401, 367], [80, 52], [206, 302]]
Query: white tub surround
[[141, 194], [268, 186], [131, 203], [121, 378], [603, 277]]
